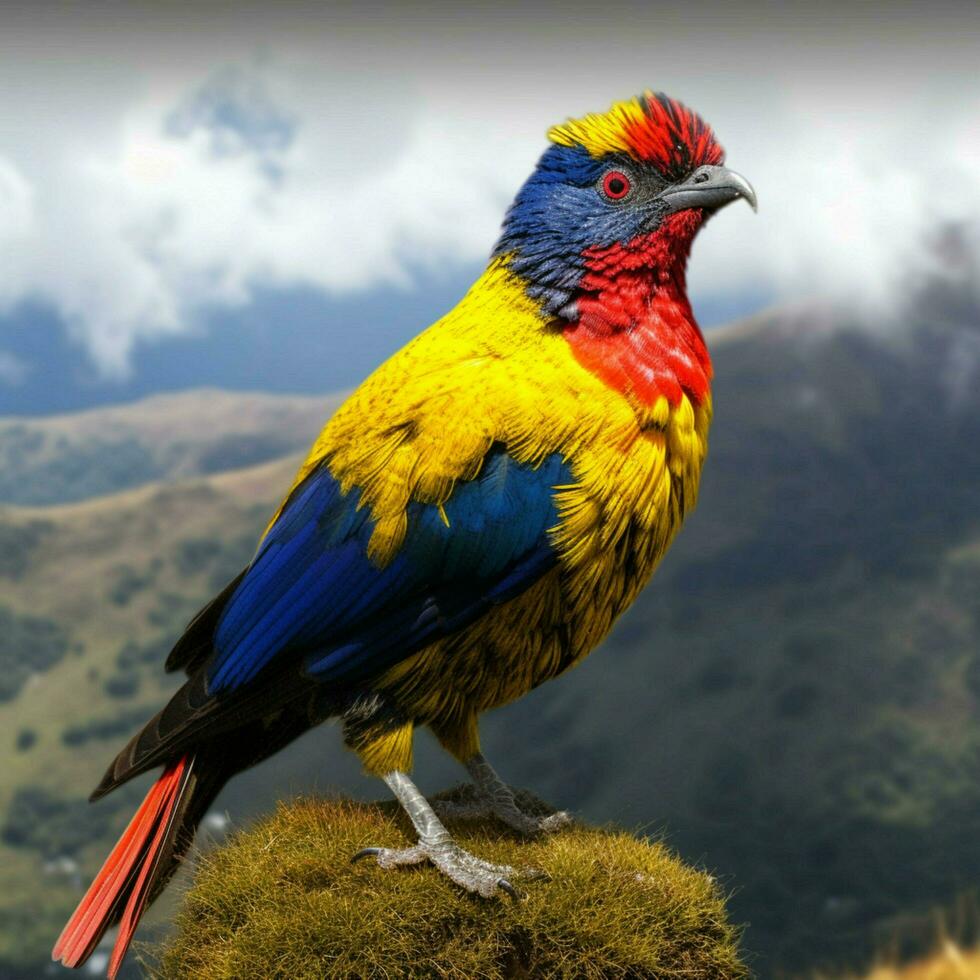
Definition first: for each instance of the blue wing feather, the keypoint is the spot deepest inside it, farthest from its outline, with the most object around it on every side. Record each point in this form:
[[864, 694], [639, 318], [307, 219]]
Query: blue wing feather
[[312, 593]]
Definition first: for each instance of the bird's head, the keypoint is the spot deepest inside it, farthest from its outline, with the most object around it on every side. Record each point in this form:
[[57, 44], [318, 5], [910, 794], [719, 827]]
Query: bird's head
[[628, 188]]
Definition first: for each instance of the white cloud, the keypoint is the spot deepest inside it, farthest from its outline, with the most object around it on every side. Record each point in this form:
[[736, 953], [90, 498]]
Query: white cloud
[[138, 190], [178, 207], [16, 202], [849, 201]]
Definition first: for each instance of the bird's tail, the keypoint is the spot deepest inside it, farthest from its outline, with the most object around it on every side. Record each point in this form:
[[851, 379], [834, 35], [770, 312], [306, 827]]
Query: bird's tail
[[140, 864]]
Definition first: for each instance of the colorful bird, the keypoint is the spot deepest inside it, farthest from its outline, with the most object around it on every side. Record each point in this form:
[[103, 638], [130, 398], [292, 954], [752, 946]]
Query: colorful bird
[[471, 521]]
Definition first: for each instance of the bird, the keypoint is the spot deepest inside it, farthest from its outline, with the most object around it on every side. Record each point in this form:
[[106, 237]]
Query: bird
[[470, 522]]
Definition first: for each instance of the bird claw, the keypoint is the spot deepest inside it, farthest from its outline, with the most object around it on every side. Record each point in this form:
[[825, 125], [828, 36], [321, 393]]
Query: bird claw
[[471, 873], [555, 821], [505, 886]]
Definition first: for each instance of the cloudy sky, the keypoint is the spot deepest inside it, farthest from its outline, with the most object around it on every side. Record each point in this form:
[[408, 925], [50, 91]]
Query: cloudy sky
[[171, 175]]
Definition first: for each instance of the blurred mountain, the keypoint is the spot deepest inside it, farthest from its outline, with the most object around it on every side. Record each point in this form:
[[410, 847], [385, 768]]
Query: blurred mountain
[[63, 458], [793, 702]]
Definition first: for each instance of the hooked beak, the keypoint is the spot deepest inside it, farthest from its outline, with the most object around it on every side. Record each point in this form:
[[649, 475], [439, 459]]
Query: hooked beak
[[711, 188]]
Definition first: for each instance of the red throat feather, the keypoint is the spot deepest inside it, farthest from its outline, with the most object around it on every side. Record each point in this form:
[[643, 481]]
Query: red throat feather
[[635, 327]]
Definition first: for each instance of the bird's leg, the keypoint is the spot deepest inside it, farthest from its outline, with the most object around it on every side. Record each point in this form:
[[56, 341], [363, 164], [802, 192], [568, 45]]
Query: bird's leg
[[497, 798], [503, 805], [436, 845]]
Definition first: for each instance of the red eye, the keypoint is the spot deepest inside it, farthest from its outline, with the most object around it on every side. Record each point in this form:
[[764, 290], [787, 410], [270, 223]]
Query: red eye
[[616, 185]]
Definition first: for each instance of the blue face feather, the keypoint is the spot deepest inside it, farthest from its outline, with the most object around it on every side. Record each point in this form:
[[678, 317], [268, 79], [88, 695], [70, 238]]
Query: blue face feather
[[312, 593], [561, 211]]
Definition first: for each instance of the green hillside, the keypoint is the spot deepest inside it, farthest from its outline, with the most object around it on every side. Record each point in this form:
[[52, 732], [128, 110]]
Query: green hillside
[[793, 701], [105, 585]]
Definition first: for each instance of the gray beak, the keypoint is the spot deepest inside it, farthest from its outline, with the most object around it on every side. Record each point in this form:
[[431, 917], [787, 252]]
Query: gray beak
[[710, 188]]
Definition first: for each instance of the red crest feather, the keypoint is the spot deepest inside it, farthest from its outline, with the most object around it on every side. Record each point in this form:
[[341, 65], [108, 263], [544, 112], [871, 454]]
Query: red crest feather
[[652, 129]]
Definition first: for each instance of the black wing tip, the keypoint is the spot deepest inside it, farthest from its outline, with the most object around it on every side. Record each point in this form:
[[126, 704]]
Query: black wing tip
[[194, 645], [108, 783]]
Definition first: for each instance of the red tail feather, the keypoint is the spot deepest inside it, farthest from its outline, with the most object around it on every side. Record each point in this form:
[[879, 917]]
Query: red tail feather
[[127, 875]]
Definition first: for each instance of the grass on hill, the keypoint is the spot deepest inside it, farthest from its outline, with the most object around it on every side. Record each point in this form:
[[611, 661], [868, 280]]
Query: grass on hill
[[283, 900]]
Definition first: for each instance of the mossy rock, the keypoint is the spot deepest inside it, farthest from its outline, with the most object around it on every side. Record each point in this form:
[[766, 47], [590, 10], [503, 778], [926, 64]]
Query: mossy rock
[[282, 900]]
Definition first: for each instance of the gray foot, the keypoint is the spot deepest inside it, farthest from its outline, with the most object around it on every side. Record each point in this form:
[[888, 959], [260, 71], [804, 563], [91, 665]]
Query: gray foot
[[477, 876], [494, 797], [436, 845], [506, 809]]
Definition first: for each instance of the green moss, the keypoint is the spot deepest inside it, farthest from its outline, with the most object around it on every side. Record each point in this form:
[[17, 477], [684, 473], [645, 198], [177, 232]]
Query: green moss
[[283, 900]]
